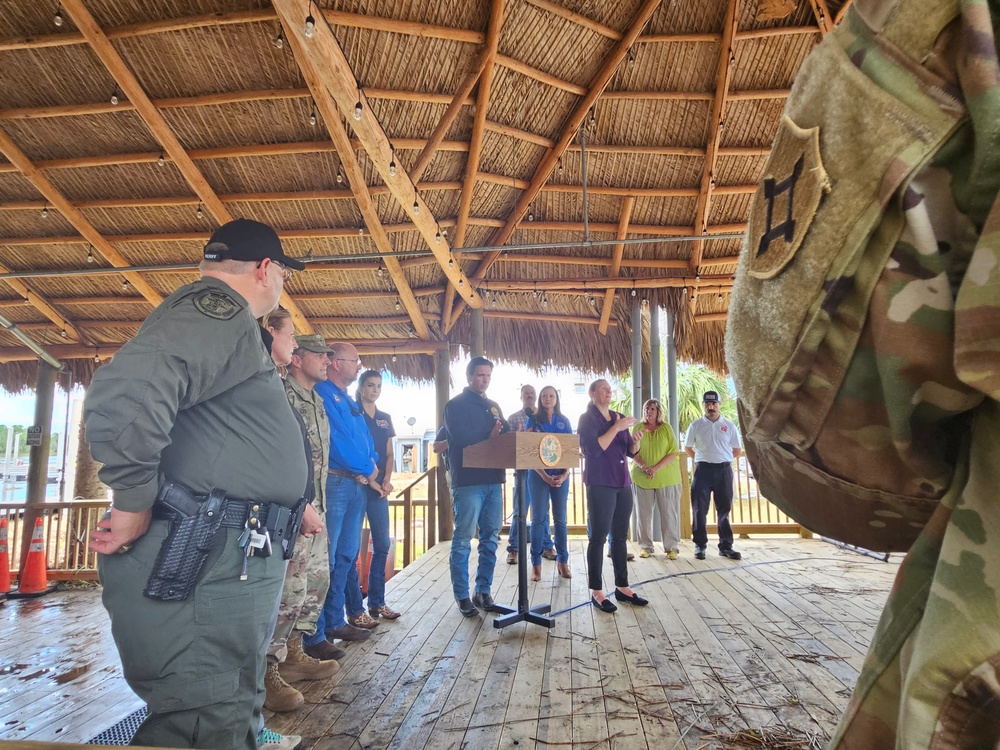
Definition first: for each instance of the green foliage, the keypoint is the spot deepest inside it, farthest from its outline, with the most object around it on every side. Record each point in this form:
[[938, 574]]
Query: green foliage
[[692, 382], [22, 449]]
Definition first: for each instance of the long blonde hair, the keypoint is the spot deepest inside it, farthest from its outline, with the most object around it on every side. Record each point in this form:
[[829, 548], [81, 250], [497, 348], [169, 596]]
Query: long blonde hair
[[659, 411]]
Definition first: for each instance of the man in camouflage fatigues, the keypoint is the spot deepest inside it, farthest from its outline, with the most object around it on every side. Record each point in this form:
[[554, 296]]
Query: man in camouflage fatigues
[[308, 576], [867, 354]]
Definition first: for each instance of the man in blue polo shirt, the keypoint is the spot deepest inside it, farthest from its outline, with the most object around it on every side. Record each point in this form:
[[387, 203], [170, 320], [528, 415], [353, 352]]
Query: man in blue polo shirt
[[476, 494], [352, 467], [713, 442]]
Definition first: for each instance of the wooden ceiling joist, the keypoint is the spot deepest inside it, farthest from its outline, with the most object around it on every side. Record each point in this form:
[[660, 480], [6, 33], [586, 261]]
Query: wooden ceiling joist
[[569, 131], [712, 283], [724, 73], [824, 19], [545, 317], [356, 180], [89, 233], [616, 261], [133, 90], [338, 79]]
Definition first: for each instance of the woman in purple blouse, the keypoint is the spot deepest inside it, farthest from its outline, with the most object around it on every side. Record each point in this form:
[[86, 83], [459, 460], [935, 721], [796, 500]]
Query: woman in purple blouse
[[606, 443]]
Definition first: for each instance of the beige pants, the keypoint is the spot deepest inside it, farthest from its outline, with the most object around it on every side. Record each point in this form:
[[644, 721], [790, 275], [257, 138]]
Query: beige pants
[[668, 501]]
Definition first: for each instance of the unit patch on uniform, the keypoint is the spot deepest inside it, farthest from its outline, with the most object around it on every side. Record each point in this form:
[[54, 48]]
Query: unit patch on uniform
[[786, 201], [216, 304]]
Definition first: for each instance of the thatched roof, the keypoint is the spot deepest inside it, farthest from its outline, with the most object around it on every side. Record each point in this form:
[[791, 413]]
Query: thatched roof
[[478, 104]]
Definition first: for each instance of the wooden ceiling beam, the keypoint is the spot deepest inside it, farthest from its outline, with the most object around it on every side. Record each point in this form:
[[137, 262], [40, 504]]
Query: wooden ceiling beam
[[356, 180], [539, 75], [338, 79], [339, 18], [616, 261], [577, 18], [842, 12], [542, 171], [158, 127], [79, 222], [493, 28], [711, 317], [545, 317], [821, 12], [723, 78], [45, 306], [713, 283]]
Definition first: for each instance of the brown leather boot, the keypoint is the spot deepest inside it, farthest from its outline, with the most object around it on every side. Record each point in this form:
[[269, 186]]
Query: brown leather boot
[[536, 572], [299, 666], [564, 570], [279, 697]]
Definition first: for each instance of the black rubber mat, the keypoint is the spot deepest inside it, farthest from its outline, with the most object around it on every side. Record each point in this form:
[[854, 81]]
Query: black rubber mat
[[122, 732]]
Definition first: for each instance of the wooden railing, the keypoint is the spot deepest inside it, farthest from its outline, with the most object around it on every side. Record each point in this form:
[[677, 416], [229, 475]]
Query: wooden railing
[[67, 527], [418, 507]]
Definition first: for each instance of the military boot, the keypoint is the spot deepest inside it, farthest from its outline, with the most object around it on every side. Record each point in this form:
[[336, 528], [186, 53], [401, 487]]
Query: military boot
[[279, 697], [299, 666]]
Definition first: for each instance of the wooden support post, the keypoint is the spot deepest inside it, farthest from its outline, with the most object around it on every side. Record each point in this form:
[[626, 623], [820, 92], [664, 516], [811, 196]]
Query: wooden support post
[[636, 359], [38, 456], [654, 352], [477, 344], [442, 385], [672, 415]]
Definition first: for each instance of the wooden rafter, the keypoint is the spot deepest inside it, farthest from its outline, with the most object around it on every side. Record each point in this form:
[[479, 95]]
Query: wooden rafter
[[44, 306], [90, 234], [336, 76], [573, 122], [576, 18], [133, 90], [356, 179], [842, 12], [616, 261], [724, 74], [493, 29], [711, 283], [821, 12]]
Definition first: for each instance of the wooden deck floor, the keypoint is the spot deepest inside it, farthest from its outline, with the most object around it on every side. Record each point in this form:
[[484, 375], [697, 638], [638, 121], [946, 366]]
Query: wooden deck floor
[[774, 641]]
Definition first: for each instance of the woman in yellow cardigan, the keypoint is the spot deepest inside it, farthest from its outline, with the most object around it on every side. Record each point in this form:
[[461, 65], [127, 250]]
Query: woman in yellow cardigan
[[657, 478]]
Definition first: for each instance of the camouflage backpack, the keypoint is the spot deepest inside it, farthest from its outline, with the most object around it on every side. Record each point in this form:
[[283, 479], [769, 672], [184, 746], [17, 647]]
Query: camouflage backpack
[[840, 338]]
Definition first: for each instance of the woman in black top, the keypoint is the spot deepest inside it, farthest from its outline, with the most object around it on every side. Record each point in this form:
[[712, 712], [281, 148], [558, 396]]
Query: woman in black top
[[377, 510]]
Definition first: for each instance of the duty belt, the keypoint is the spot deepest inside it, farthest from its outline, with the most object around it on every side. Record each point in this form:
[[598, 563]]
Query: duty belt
[[237, 514]]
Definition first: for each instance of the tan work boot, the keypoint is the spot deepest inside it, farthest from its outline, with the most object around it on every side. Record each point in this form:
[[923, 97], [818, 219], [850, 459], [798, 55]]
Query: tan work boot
[[299, 666], [279, 697]]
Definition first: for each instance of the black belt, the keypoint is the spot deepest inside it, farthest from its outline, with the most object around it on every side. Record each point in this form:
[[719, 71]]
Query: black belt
[[348, 475], [709, 463], [235, 515]]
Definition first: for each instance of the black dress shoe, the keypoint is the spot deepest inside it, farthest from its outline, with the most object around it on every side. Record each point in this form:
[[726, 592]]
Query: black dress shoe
[[466, 607], [605, 606], [731, 554], [699, 553], [483, 601], [634, 599]]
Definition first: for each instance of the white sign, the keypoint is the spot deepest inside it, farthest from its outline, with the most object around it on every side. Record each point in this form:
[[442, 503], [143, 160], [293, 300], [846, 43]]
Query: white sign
[[34, 436]]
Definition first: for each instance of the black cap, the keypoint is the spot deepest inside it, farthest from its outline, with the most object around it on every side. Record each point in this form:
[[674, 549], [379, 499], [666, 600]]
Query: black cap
[[244, 239], [710, 396]]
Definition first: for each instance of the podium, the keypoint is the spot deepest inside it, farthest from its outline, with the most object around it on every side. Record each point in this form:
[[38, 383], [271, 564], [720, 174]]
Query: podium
[[524, 451]]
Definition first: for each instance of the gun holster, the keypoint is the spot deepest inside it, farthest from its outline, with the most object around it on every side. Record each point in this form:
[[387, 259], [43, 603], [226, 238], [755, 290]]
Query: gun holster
[[194, 526]]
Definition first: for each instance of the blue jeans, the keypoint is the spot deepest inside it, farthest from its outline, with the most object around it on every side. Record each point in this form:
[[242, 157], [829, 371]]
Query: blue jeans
[[539, 494], [482, 505], [512, 537], [345, 512], [377, 510]]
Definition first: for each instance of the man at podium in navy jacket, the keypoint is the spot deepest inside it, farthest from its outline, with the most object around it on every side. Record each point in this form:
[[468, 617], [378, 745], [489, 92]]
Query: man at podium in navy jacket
[[477, 494]]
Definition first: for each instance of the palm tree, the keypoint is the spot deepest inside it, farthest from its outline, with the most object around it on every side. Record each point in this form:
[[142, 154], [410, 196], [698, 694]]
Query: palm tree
[[692, 382]]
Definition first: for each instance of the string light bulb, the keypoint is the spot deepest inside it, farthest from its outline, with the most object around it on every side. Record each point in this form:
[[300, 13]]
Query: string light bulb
[[394, 357], [114, 96], [545, 299], [90, 254], [279, 41], [380, 272], [161, 161], [720, 295], [312, 117], [310, 30], [494, 301], [97, 358], [461, 282], [200, 213], [416, 206], [392, 167], [437, 237], [398, 305], [633, 293], [361, 230], [63, 333], [593, 301], [340, 176], [45, 212], [125, 285], [451, 262], [58, 20], [357, 111], [560, 165], [531, 216]]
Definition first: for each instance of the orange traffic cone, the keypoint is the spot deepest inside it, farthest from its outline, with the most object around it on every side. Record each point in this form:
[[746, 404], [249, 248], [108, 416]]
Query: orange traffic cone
[[4, 558], [32, 581]]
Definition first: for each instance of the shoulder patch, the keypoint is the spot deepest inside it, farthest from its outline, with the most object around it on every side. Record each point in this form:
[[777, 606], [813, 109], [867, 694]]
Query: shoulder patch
[[216, 304]]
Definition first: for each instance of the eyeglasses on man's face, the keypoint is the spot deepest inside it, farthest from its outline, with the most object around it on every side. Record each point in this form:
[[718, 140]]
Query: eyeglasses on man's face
[[286, 273], [343, 359]]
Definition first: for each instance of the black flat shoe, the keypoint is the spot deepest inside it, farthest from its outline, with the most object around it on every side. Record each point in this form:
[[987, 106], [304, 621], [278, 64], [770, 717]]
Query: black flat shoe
[[605, 606], [467, 608], [635, 599]]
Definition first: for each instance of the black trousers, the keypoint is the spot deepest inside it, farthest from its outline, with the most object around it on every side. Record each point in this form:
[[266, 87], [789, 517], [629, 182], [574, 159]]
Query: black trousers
[[608, 509], [712, 479]]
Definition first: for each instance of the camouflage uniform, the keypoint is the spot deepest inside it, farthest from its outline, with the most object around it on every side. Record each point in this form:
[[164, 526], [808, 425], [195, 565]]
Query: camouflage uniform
[[864, 345], [308, 576]]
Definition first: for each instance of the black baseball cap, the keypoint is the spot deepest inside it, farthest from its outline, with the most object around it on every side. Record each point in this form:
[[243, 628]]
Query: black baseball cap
[[245, 239], [710, 396]]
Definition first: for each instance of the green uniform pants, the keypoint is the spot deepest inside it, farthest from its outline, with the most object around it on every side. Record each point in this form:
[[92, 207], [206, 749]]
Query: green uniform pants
[[198, 664], [303, 594]]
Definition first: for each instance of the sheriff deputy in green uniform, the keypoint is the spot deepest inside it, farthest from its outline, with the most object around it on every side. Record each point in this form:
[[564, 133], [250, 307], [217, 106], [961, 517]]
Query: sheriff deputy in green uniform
[[207, 466]]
